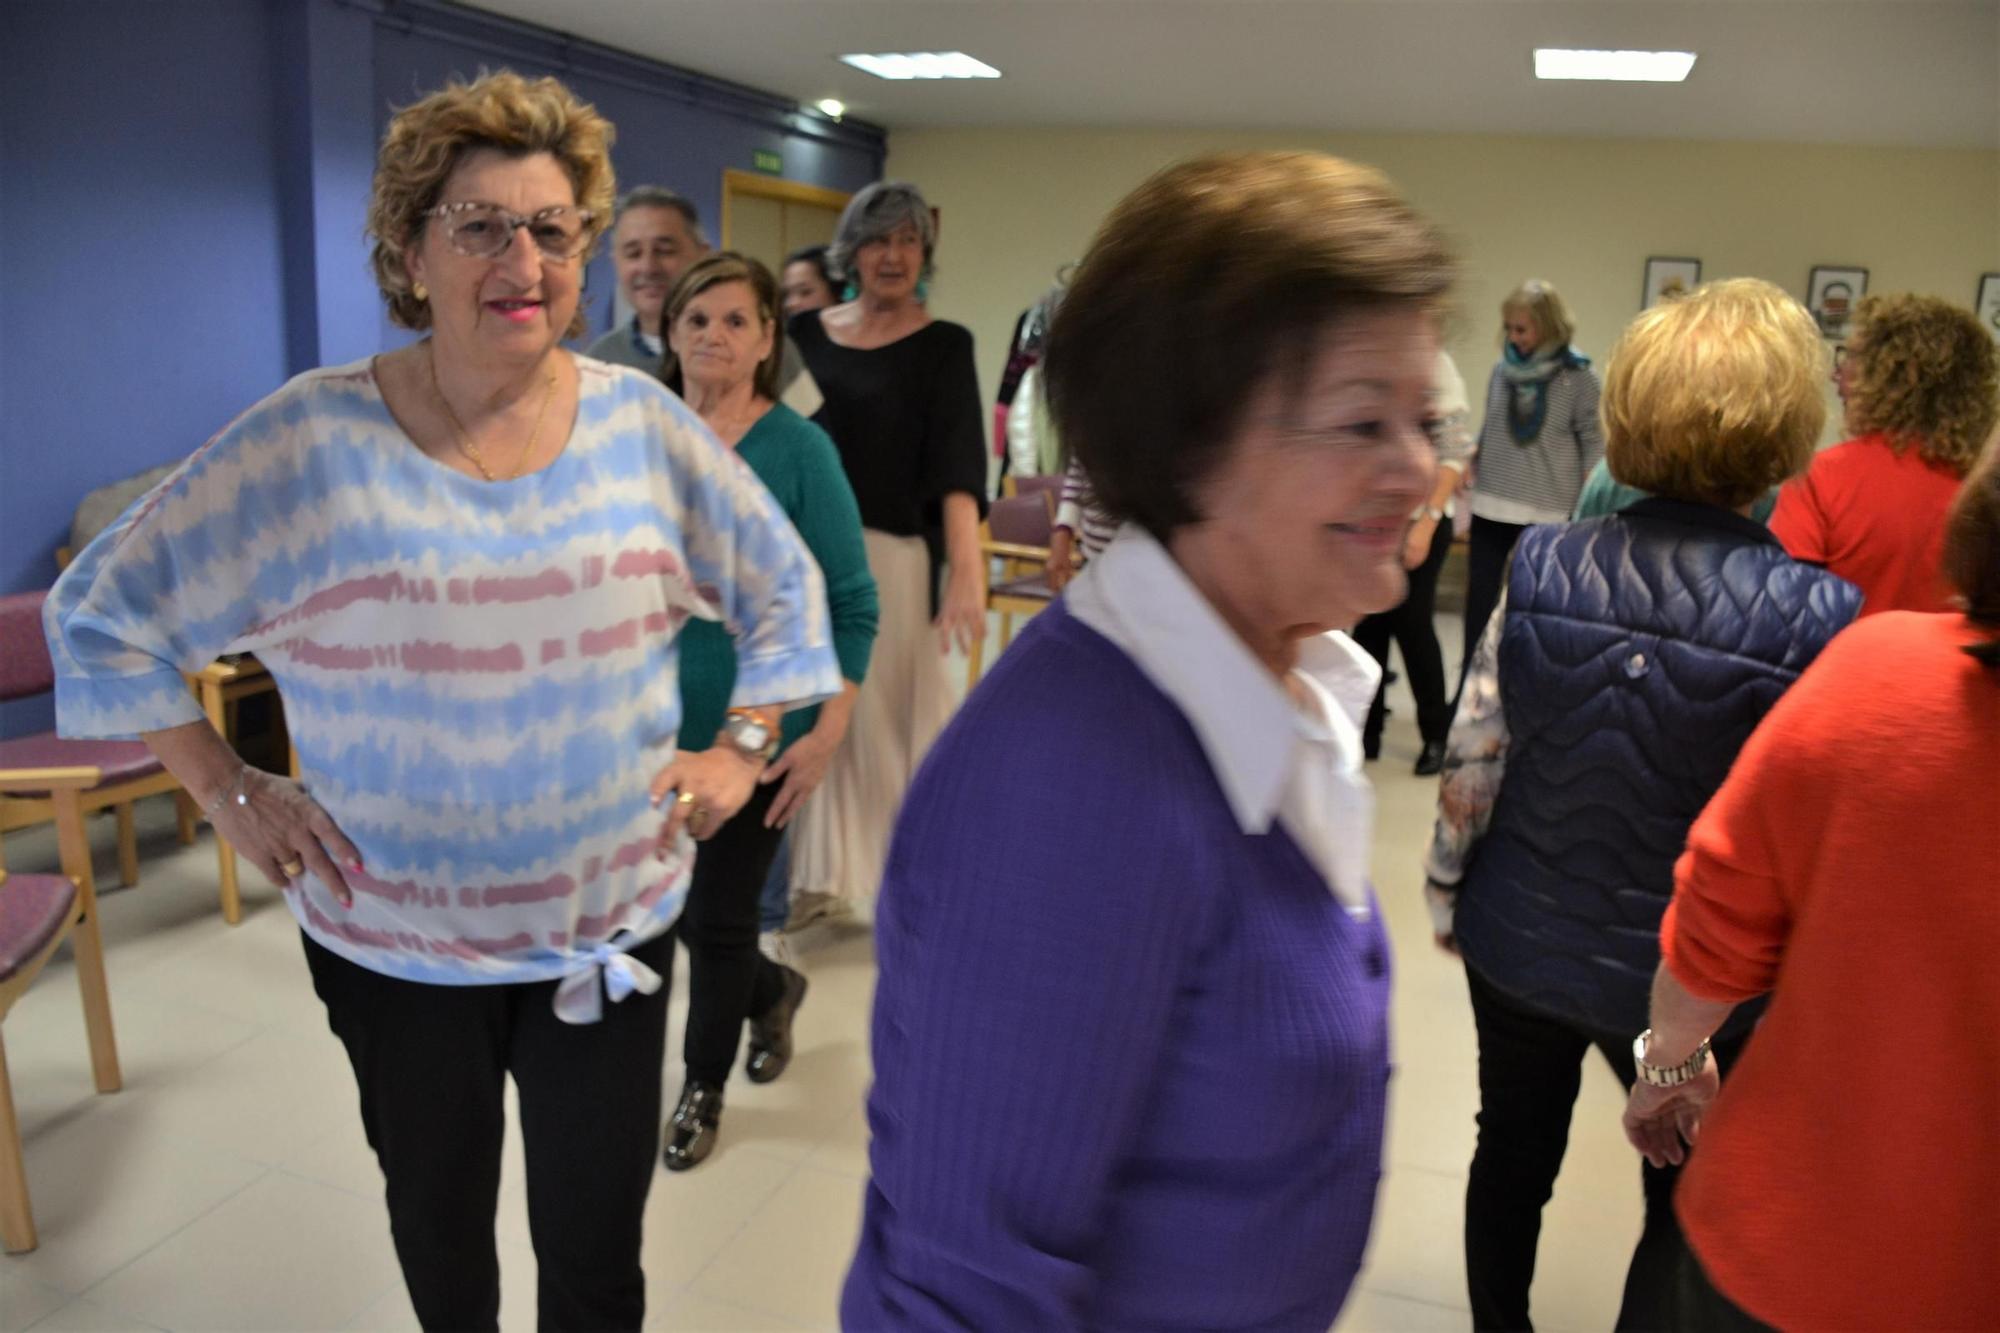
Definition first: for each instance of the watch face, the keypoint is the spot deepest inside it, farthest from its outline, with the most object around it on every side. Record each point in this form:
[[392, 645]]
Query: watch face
[[751, 735]]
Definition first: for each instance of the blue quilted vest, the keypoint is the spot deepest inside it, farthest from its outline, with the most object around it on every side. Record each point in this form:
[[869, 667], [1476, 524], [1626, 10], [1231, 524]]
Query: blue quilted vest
[[1638, 654]]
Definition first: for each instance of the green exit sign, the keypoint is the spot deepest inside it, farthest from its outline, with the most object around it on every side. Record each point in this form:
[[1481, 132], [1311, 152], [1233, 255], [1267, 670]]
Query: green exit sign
[[766, 161]]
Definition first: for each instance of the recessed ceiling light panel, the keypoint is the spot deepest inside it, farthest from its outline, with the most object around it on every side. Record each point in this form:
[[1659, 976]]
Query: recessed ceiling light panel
[[1613, 66], [923, 65]]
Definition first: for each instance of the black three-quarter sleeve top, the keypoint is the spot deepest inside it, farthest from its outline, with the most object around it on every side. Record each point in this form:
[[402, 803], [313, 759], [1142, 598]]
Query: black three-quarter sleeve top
[[906, 420]]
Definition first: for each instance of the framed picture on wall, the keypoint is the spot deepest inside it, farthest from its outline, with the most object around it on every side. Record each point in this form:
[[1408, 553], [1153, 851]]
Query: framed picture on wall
[[1831, 294], [1667, 279], [1988, 305]]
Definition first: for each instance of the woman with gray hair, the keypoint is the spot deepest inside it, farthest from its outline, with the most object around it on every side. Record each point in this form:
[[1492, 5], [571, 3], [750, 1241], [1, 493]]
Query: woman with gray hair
[[903, 408]]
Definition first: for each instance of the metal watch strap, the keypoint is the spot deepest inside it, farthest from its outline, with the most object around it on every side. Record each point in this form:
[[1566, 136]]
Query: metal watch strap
[[751, 717], [1673, 1075]]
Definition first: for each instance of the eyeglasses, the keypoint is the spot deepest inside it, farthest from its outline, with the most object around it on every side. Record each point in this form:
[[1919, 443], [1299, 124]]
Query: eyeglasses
[[485, 231]]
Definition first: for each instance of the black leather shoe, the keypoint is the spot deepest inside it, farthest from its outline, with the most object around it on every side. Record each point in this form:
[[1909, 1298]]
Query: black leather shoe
[[1431, 762], [692, 1130], [771, 1031]]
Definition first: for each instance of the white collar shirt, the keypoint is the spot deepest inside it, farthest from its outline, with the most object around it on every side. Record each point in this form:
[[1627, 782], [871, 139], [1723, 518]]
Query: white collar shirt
[[1276, 762]]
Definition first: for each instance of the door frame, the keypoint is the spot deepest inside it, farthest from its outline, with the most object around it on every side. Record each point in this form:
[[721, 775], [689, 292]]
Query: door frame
[[735, 181]]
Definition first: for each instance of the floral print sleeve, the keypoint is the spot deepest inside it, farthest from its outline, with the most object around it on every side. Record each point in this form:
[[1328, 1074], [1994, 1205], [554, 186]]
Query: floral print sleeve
[[1475, 761]]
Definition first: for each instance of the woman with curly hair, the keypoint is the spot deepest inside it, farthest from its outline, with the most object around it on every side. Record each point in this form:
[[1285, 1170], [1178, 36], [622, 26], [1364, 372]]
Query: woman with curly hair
[[467, 563], [1919, 380]]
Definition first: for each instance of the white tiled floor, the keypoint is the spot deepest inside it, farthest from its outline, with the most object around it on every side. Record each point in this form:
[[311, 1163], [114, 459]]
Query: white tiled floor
[[228, 1186]]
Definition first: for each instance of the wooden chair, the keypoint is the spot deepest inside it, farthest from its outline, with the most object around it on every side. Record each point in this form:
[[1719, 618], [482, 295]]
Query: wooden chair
[[126, 770], [1012, 485], [1016, 533], [220, 686], [38, 912]]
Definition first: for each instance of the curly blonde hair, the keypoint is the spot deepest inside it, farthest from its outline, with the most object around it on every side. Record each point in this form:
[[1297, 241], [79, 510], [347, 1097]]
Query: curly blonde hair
[[428, 139], [1924, 373], [1715, 397]]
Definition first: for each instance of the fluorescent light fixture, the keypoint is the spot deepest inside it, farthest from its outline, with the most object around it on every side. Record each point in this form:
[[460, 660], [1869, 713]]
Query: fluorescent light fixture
[[1613, 66], [831, 107], [923, 65]]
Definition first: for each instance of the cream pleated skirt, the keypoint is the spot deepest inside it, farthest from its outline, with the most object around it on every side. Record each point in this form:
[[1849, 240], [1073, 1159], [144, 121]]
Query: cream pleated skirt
[[840, 841]]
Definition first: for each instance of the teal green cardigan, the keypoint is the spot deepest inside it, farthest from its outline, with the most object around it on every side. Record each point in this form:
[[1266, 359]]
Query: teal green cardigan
[[797, 462], [1604, 494]]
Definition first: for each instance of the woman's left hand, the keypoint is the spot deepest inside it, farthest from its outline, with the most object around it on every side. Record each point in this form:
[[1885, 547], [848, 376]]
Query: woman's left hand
[[707, 788], [1417, 546], [801, 768], [963, 614], [1659, 1121]]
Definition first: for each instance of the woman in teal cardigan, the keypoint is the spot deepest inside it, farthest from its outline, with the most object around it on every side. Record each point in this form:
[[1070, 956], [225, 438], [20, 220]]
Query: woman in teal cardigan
[[722, 332]]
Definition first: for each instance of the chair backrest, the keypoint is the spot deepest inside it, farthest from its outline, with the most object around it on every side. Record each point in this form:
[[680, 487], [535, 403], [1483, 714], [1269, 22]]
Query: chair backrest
[[1037, 485], [1023, 520], [25, 668]]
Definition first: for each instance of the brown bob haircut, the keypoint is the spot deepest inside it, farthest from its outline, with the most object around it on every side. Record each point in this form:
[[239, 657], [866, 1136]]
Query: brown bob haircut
[[1972, 548], [428, 139], [1715, 397], [725, 266], [1924, 373], [1205, 281]]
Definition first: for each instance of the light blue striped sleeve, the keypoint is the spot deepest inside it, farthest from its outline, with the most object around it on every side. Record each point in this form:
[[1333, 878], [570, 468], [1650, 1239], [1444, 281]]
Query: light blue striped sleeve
[[750, 562], [166, 588]]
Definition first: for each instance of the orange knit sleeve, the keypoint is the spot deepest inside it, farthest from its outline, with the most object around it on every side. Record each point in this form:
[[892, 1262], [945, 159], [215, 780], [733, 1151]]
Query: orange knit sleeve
[[1741, 878]]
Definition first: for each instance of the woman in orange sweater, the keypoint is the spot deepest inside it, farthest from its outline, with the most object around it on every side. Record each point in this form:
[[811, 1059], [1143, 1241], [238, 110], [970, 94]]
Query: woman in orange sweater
[[1847, 1176], [1918, 380]]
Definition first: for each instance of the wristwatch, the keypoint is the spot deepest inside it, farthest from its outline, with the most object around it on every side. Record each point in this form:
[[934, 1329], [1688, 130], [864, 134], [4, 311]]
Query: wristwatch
[[1432, 512], [1673, 1076], [752, 733]]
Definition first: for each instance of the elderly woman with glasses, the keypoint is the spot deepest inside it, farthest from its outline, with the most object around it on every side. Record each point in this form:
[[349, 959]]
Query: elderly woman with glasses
[[903, 408], [467, 563]]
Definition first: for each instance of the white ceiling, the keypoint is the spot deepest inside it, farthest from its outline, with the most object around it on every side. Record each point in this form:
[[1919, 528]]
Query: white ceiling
[[1910, 72]]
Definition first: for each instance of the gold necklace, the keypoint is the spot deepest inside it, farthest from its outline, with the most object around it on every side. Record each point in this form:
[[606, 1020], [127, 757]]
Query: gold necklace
[[465, 444]]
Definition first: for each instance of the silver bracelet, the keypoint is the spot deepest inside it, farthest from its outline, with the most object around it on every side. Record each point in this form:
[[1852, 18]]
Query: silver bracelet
[[235, 788]]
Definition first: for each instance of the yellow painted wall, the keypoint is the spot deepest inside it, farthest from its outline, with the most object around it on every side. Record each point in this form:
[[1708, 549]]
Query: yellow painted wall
[[1581, 213]]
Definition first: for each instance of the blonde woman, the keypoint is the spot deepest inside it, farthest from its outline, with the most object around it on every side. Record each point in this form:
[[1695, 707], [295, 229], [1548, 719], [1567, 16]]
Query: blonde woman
[[467, 563], [1538, 442], [1639, 651]]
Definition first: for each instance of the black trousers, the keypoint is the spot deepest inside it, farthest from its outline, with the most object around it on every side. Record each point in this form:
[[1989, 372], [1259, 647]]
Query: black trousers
[[1530, 1068], [1492, 545], [431, 1062], [1415, 632], [1704, 1309], [728, 980]]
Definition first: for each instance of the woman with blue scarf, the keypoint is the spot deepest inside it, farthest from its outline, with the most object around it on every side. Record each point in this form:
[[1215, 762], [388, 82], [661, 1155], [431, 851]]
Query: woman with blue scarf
[[1540, 440]]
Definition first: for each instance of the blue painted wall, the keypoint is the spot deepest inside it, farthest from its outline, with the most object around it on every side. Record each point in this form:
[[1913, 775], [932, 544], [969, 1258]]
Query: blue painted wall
[[182, 192]]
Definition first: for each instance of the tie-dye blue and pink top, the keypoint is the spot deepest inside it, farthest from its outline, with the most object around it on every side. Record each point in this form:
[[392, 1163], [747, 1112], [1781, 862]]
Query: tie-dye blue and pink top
[[480, 678]]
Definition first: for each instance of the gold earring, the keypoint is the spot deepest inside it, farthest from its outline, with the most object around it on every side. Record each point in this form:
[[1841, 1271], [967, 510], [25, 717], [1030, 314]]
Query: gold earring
[[421, 292]]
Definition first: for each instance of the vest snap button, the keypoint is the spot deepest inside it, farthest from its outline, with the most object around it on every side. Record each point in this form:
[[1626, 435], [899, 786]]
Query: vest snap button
[[1635, 665]]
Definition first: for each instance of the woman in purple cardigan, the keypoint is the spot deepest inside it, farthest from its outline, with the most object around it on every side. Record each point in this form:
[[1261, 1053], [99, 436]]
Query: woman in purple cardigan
[[1131, 1045]]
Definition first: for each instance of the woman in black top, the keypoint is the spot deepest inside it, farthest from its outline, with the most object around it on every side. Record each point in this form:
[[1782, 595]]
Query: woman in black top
[[903, 408]]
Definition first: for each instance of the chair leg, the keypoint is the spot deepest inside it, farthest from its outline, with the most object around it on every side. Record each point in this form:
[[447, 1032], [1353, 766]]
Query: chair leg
[[186, 813], [1006, 629], [17, 1218], [88, 943], [232, 894], [128, 846]]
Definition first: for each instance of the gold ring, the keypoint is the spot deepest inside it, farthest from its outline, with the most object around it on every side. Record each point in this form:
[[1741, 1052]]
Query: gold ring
[[685, 798], [292, 869]]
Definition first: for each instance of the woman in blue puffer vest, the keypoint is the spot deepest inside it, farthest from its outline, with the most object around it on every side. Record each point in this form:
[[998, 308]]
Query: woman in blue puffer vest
[[1629, 660]]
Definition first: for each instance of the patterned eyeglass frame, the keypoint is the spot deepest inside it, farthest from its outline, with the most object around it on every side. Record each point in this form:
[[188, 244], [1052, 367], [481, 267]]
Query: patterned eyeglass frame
[[516, 221]]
